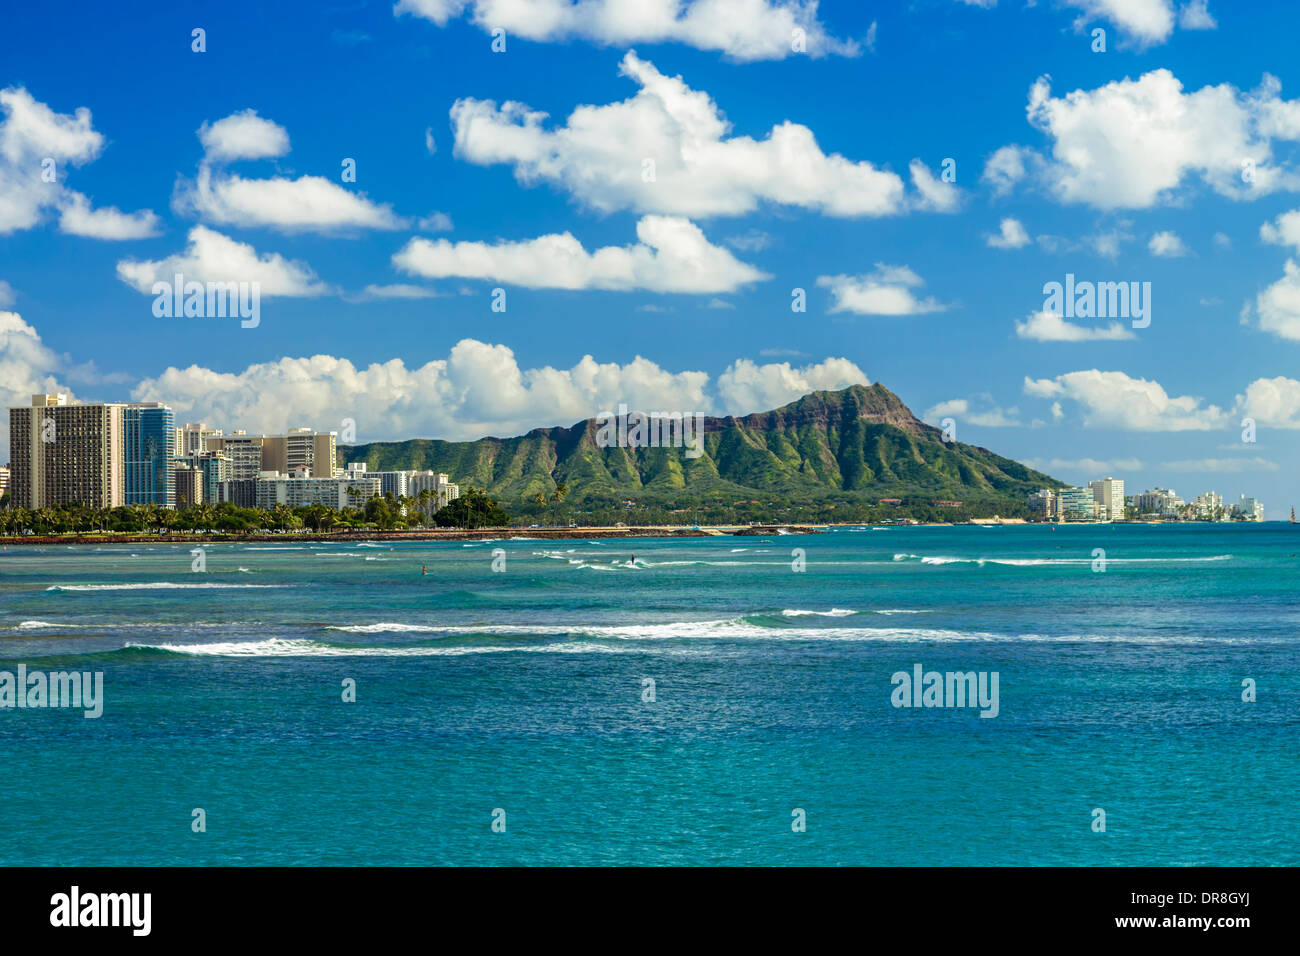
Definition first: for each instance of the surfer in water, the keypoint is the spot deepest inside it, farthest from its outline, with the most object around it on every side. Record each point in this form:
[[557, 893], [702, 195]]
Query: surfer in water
[[424, 569]]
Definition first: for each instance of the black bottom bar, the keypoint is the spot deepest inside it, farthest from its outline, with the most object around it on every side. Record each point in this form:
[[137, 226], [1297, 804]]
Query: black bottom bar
[[932, 905]]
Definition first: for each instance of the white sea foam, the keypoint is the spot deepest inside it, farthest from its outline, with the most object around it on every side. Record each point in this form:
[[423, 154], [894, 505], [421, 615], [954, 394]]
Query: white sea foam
[[833, 612], [383, 627], [1047, 562], [743, 629], [279, 647], [159, 586]]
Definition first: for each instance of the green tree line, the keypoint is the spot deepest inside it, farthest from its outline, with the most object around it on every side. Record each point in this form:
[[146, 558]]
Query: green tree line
[[474, 509]]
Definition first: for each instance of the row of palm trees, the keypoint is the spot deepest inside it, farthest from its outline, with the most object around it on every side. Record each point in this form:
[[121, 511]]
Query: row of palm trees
[[383, 513]]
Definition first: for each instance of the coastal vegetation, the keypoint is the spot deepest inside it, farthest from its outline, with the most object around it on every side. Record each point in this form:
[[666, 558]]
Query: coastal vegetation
[[474, 509]]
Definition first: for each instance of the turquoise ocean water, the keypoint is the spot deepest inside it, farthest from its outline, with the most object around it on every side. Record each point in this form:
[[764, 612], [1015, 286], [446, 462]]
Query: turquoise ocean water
[[523, 690]]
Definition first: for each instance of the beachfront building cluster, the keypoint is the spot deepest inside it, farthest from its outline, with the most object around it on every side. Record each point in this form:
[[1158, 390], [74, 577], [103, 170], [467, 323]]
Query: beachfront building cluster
[[1104, 500], [109, 454], [351, 488]]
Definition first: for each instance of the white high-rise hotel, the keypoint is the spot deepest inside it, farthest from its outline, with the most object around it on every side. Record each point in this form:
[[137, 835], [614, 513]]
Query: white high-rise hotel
[[1109, 496]]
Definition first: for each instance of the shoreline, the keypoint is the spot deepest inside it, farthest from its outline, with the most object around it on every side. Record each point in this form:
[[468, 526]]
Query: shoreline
[[448, 534], [542, 533], [555, 534]]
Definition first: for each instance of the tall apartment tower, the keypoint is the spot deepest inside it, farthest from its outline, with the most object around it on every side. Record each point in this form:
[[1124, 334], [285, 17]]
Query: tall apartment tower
[[149, 429], [191, 436], [243, 450], [301, 448], [250, 455], [1109, 496], [66, 454]]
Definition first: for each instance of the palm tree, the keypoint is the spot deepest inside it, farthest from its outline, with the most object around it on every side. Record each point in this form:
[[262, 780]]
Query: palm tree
[[45, 518], [150, 514], [203, 516]]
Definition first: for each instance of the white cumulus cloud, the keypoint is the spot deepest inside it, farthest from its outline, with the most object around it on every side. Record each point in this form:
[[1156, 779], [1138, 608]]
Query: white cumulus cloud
[[668, 150], [1195, 15], [1142, 23], [1272, 402], [1011, 235], [1117, 400], [478, 389], [1135, 143], [37, 147], [747, 387], [304, 204], [213, 257], [1278, 306], [1046, 326], [1167, 245], [243, 135], [965, 412], [27, 367], [743, 30], [888, 290], [671, 255]]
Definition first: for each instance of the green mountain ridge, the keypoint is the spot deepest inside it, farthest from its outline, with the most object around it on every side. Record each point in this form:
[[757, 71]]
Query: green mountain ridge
[[847, 447]]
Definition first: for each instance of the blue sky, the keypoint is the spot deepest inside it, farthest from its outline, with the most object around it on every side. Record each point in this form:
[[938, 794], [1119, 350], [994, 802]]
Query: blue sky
[[775, 170]]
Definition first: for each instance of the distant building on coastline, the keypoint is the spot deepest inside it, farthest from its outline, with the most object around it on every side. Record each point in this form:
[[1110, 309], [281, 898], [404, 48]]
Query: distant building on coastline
[[299, 489], [1108, 495], [441, 489], [190, 438], [189, 485], [250, 455], [1162, 502], [1045, 505], [149, 443], [1209, 506], [105, 455], [64, 453], [1077, 504], [243, 450], [240, 492], [1250, 509]]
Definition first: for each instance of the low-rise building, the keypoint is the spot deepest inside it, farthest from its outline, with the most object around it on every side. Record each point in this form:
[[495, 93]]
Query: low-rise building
[[1158, 501], [299, 490], [1045, 505], [1209, 506]]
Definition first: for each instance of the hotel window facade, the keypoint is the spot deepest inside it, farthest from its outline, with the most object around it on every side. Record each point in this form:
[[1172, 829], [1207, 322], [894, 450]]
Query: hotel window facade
[[150, 437]]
